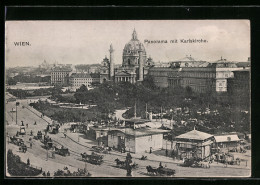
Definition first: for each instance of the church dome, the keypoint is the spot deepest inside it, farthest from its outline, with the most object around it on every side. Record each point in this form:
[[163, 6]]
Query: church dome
[[132, 47]]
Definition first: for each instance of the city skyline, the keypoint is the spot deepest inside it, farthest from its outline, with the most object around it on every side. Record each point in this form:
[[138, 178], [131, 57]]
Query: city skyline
[[87, 42]]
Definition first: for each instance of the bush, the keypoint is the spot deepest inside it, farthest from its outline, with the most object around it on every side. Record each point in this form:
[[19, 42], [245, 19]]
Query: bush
[[17, 168]]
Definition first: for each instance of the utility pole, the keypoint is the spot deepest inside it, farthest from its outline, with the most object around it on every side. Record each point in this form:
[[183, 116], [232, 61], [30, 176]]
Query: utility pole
[[16, 104], [161, 114], [146, 111], [135, 110]]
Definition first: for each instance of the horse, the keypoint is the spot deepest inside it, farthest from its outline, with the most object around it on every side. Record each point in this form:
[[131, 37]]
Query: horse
[[151, 170], [134, 166], [143, 157], [204, 164], [118, 162], [84, 155]]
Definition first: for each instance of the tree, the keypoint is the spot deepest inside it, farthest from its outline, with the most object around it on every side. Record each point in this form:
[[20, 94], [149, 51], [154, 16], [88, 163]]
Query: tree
[[149, 82], [188, 91], [11, 81], [81, 94]]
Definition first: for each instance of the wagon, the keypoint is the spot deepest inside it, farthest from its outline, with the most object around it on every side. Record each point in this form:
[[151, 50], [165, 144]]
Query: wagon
[[93, 158], [190, 163], [165, 171], [22, 130], [48, 145], [100, 149], [16, 140], [23, 148], [62, 151], [161, 171]]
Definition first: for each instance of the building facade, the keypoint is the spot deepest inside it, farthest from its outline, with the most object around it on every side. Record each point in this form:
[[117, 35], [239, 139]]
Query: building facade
[[240, 84], [135, 140], [60, 75], [135, 63], [194, 144], [79, 79], [201, 76], [226, 141]]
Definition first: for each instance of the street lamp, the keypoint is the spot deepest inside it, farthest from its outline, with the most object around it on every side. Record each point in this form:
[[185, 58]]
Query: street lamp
[[16, 104]]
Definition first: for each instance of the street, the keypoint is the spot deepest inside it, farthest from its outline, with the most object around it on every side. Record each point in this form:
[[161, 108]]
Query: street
[[77, 143]]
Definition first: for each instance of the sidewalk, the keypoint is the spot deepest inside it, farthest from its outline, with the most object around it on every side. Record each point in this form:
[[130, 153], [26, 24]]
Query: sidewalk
[[150, 157]]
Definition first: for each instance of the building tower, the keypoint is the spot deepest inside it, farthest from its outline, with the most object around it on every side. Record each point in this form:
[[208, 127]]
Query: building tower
[[141, 75], [111, 64]]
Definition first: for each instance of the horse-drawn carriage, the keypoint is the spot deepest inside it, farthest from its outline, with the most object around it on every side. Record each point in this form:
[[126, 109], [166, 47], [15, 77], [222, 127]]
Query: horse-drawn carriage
[[160, 171], [16, 140], [99, 149], [122, 164], [38, 136], [227, 158], [53, 128], [62, 151], [23, 148], [22, 130], [195, 163], [93, 158]]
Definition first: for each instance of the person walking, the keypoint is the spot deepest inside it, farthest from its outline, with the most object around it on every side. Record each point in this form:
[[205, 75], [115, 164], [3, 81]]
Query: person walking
[[48, 174], [28, 162]]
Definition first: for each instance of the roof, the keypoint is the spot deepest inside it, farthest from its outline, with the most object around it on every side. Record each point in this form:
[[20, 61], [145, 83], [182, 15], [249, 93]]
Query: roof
[[122, 73], [194, 135], [226, 138], [161, 69], [136, 120], [80, 75], [140, 132], [95, 75], [243, 64]]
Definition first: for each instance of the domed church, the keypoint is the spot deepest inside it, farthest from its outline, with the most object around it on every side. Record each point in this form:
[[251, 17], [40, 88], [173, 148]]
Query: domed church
[[134, 67]]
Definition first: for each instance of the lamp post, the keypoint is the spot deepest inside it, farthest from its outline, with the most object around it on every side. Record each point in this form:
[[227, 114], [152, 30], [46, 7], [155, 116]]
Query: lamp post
[[16, 104]]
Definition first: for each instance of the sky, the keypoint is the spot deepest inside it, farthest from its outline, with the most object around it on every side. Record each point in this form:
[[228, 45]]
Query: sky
[[87, 42]]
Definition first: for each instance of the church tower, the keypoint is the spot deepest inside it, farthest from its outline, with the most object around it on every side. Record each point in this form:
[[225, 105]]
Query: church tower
[[111, 64]]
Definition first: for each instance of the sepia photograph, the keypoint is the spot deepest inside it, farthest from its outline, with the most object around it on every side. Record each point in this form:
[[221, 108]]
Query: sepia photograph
[[128, 98]]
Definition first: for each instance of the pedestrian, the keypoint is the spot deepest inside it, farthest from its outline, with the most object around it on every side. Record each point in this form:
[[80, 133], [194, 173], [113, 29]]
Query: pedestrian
[[31, 132], [150, 150], [17, 133], [30, 144], [160, 164], [44, 174], [48, 174], [53, 154], [35, 123], [26, 125], [65, 135], [28, 161], [22, 123]]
